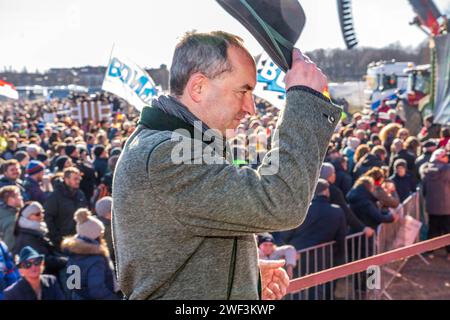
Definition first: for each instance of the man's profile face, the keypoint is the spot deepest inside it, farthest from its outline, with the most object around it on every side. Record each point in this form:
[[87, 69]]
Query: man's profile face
[[229, 97]]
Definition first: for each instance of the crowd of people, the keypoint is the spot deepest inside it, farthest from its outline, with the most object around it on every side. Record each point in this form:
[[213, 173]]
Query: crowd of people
[[56, 185]]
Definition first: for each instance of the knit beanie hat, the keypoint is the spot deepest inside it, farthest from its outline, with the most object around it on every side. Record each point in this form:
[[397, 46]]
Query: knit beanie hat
[[87, 225], [70, 149], [438, 155], [33, 208], [327, 170], [103, 206], [34, 167]]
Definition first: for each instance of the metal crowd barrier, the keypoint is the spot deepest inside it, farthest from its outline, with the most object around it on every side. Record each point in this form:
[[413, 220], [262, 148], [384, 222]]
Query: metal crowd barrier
[[358, 246]]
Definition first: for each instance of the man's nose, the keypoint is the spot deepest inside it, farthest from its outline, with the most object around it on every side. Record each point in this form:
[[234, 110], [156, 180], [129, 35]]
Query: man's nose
[[249, 104]]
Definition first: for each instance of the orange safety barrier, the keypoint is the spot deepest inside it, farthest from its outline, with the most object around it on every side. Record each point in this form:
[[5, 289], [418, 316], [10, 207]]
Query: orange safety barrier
[[345, 270]]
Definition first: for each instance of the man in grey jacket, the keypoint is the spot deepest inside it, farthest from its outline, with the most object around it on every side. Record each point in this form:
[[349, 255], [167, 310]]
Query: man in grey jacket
[[185, 229]]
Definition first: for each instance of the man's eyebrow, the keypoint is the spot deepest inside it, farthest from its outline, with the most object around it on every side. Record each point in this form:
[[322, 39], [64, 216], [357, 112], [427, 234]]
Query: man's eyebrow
[[247, 87]]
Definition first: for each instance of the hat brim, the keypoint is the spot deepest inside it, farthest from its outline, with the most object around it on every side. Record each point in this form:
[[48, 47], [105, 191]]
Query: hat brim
[[241, 13]]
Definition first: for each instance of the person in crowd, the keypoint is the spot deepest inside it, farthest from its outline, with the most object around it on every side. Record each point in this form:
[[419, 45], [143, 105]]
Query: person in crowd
[[336, 197], [387, 197], [11, 149], [89, 251], [360, 152], [436, 189], [404, 181], [103, 209], [11, 176], [9, 274], [11, 202], [343, 178], [428, 148], [36, 185], [387, 136], [430, 130], [444, 137], [268, 250], [23, 159], [364, 204], [62, 204], [349, 151], [100, 162], [407, 151], [33, 285], [324, 222], [31, 230], [376, 158]]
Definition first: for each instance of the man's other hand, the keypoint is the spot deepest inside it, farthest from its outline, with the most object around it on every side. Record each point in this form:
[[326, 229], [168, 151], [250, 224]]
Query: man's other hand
[[274, 278], [304, 72]]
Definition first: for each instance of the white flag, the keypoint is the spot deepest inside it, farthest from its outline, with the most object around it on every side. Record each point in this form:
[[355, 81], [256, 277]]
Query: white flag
[[128, 81]]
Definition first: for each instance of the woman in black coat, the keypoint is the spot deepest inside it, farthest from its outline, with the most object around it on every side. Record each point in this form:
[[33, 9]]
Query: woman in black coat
[[32, 231]]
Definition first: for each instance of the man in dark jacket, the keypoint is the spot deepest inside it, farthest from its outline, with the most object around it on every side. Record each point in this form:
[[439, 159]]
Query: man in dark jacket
[[344, 180], [100, 162], [62, 204], [32, 184], [324, 222], [33, 285], [363, 203], [337, 197], [403, 180], [428, 148], [436, 189]]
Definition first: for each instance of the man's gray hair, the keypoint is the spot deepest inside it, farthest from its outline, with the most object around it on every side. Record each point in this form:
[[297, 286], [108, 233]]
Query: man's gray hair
[[204, 53]]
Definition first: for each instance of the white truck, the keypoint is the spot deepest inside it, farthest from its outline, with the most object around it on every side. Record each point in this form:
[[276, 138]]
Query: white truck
[[384, 80]]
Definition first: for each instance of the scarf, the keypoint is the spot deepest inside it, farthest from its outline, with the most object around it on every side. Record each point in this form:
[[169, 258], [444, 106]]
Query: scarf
[[41, 227]]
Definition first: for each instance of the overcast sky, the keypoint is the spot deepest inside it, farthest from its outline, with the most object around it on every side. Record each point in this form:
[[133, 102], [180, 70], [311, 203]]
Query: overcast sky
[[65, 33]]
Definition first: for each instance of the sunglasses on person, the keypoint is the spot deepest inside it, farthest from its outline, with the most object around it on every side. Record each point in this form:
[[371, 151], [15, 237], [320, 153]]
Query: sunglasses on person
[[29, 263]]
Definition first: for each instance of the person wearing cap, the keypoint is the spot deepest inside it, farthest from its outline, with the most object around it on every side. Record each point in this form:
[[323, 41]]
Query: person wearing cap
[[103, 209], [324, 223], [9, 273], [89, 252], [337, 197], [268, 250], [436, 189], [36, 187], [349, 151], [428, 148], [203, 217], [405, 183], [31, 230], [33, 285]]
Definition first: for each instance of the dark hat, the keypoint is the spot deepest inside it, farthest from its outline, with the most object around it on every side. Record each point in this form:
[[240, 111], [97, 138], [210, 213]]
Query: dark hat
[[28, 253], [115, 152], [98, 150], [276, 25], [430, 144], [42, 157], [60, 162], [70, 149], [265, 238]]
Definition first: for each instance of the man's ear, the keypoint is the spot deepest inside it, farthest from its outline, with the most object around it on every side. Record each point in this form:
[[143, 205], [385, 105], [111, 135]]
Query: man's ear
[[195, 87]]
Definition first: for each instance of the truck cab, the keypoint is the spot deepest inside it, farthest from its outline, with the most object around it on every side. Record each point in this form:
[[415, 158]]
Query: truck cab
[[384, 80]]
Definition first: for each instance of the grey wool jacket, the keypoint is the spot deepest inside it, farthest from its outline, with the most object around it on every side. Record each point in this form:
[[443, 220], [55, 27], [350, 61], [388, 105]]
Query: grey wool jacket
[[186, 231]]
